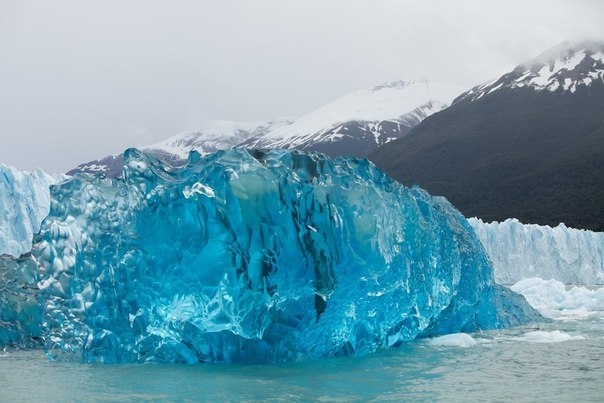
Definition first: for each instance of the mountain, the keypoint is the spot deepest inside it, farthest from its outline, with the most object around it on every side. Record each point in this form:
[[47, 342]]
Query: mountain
[[351, 125], [215, 135], [566, 67], [528, 145], [362, 121]]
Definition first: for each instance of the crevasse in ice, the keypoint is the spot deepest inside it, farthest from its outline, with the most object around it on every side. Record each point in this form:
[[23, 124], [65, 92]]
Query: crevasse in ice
[[250, 256]]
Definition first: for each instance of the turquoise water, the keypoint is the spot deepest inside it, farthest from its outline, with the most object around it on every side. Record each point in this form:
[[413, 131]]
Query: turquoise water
[[526, 364]]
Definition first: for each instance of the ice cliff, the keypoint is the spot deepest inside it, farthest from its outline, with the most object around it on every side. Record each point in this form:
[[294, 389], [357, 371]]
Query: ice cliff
[[246, 256], [24, 202], [519, 251]]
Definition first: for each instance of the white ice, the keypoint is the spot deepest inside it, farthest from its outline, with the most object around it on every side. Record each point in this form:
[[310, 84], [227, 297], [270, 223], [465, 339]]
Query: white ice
[[462, 340], [557, 301], [519, 251], [555, 336], [24, 202], [215, 135]]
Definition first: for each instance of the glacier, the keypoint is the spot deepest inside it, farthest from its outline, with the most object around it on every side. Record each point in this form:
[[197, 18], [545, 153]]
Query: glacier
[[24, 202], [521, 251], [255, 257]]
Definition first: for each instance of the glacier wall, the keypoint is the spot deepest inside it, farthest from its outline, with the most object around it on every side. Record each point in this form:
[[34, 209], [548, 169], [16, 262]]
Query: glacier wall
[[245, 256], [24, 202], [520, 251]]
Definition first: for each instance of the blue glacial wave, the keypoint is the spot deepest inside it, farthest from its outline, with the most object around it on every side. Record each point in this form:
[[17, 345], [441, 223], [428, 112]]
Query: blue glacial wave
[[251, 256]]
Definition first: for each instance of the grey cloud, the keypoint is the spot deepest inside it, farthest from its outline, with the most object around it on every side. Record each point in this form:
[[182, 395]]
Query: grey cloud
[[80, 80]]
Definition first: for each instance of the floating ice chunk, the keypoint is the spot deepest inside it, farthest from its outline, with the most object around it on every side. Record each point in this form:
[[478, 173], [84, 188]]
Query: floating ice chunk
[[555, 336], [553, 299], [463, 340]]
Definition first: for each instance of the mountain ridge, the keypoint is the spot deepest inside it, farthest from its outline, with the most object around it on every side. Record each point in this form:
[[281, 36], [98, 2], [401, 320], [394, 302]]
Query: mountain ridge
[[566, 67], [350, 125], [525, 151]]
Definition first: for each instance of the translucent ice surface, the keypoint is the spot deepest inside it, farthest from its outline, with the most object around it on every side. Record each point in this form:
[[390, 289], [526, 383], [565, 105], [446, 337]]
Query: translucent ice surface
[[250, 256], [20, 308]]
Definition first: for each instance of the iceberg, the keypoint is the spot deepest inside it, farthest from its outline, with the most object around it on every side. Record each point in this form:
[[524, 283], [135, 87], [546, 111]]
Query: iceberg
[[521, 251], [256, 257], [24, 202]]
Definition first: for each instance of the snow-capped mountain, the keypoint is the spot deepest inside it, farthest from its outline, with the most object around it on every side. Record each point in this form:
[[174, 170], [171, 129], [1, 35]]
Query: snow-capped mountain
[[351, 125], [563, 68], [528, 145], [359, 122], [214, 135]]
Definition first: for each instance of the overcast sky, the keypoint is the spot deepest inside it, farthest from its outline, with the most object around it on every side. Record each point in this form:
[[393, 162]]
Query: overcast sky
[[83, 79]]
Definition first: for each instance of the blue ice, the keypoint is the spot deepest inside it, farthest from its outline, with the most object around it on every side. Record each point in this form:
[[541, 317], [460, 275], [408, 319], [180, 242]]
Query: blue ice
[[256, 257]]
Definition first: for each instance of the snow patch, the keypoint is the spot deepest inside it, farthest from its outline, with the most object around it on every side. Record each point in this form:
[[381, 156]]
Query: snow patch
[[566, 66], [215, 135], [391, 101]]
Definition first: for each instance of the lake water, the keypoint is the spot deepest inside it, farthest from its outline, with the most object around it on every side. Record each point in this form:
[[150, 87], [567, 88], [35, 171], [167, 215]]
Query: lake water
[[562, 360]]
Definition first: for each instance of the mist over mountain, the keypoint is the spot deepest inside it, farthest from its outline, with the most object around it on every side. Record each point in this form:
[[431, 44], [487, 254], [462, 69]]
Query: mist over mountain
[[213, 136], [352, 125], [528, 145]]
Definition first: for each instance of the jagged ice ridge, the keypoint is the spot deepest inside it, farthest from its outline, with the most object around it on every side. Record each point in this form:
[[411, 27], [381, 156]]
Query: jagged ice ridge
[[520, 251]]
